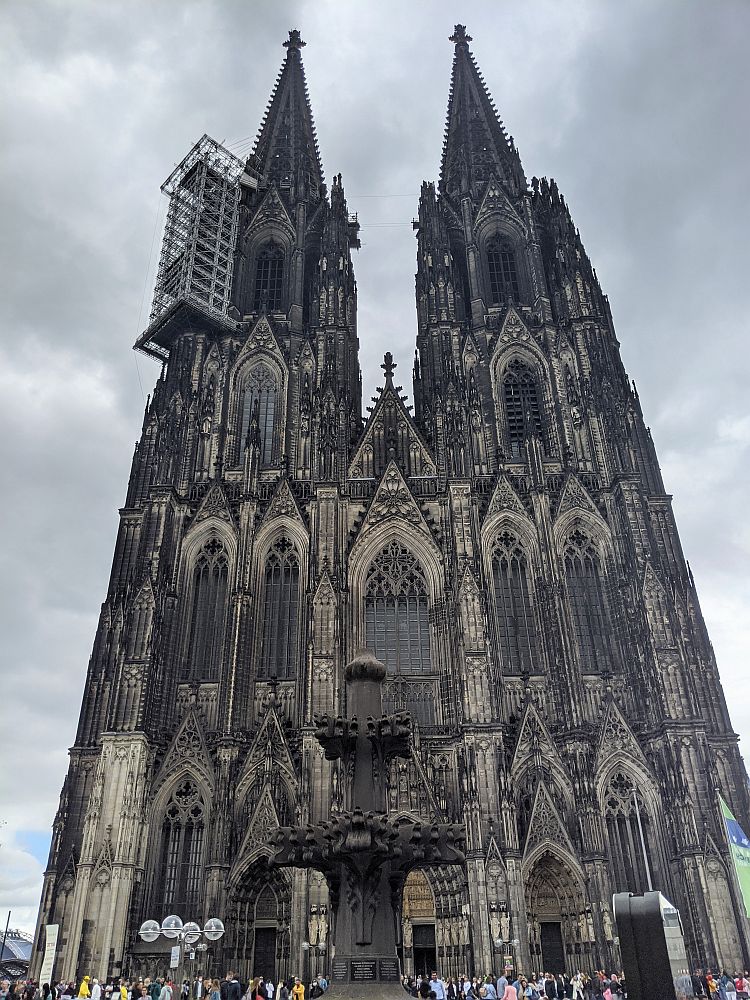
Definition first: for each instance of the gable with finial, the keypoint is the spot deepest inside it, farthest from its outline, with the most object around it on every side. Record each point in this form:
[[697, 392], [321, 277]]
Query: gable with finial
[[471, 611], [513, 330], [471, 354], [145, 597], [214, 504], [504, 498], [546, 825], [262, 821], [393, 499], [188, 748], [271, 211], [536, 747], [283, 504], [575, 496], [103, 865], [617, 739], [496, 201], [390, 434], [261, 338], [269, 748]]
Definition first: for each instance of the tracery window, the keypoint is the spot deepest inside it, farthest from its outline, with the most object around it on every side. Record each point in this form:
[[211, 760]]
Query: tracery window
[[259, 397], [628, 833], [588, 603], [178, 882], [521, 398], [269, 278], [208, 611], [280, 628], [396, 611], [503, 272], [514, 606]]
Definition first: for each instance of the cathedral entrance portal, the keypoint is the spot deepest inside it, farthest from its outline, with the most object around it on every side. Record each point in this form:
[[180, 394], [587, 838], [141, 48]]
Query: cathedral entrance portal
[[259, 925], [419, 953], [559, 922]]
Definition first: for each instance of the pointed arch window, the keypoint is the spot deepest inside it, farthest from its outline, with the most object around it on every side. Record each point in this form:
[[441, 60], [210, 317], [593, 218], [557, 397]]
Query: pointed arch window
[[588, 603], [269, 278], [259, 409], [280, 629], [396, 612], [503, 271], [208, 611], [629, 835], [522, 409], [178, 882], [513, 606]]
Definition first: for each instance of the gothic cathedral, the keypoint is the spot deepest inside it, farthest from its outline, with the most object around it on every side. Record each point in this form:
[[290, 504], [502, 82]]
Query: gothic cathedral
[[506, 548]]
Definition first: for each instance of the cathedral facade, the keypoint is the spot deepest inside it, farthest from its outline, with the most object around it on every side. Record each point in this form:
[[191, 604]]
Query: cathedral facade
[[506, 547]]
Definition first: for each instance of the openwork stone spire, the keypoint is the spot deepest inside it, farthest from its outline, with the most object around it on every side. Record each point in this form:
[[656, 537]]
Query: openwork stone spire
[[476, 144], [286, 149]]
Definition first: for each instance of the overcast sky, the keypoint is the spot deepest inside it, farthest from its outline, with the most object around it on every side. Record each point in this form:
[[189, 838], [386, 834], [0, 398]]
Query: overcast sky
[[638, 109]]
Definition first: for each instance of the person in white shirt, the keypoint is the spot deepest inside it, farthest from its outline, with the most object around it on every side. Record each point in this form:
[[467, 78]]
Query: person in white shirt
[[96, 991]]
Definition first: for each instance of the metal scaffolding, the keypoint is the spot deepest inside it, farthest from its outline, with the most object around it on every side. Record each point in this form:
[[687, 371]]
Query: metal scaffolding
[[200, 234]]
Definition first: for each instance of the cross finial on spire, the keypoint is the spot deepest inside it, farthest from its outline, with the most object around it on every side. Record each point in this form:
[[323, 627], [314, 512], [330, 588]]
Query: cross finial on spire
[[459, 36], [294, 41], [388, 366]]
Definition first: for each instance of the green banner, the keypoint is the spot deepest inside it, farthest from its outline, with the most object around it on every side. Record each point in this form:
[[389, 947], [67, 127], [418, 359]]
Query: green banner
[[739, 845]]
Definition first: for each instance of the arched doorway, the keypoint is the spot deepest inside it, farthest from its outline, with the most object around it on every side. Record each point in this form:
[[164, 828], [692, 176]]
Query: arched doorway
[[560, 926], [419, 947], [258, 922]]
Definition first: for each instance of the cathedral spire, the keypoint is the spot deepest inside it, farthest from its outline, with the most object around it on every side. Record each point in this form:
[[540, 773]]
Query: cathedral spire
[[476, 144], [286, 150]]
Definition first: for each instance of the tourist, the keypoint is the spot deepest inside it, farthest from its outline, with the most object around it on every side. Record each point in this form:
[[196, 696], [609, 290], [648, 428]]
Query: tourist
[[509, 992], [298, 990], [437, 986], [282, 991], [166, 990], [83, 989]]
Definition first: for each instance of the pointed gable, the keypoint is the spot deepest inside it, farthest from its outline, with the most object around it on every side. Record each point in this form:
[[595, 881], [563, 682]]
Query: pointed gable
[[268, 748], [263, 820], [188, 748], [393, 499], [283, 504], [496, 201], [472, 612], [546, 825], [391, 435], [262, 337], [215, 504], [504, 498], [616, 739], [574, 496], [513, 329], [536, 747], [271, 211]]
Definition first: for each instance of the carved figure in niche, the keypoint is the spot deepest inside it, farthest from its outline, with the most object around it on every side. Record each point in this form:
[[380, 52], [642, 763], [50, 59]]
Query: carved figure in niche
[[476, 424], [495, 926], [408, 934], [590, 926], [313, 930], [505, 925], [607, 923]]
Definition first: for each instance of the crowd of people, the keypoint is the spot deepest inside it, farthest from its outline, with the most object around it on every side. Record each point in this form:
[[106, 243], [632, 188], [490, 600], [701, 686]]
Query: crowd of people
[[163, 988], [700, 985], [580, 986]]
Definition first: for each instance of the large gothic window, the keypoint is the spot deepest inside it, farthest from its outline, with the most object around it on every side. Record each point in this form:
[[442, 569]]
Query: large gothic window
[[208, 611], [521, 398], [513, 606], [178, 884], [259, 405], [628, 833], [588, 603], [269, 278], [280, 628], [503, 272], [396, 612]]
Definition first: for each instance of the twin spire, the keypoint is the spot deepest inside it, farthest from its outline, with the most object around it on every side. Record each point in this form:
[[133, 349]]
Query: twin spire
[[476, 145]]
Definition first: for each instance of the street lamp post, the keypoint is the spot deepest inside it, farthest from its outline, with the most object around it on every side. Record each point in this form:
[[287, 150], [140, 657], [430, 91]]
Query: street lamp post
[[189, 934]]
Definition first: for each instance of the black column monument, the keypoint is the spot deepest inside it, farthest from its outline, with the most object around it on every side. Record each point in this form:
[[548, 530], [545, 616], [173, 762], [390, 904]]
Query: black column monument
[[364, 855]]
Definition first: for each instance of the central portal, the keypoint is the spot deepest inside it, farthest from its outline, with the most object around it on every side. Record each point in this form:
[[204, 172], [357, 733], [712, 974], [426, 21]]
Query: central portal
[[553, 957]]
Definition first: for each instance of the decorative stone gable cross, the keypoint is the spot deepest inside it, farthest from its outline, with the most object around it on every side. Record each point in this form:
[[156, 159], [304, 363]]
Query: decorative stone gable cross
[[364, 855]]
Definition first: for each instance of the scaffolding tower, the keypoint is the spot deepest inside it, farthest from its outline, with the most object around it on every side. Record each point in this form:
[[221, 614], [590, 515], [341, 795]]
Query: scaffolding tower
[[200, 233]]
